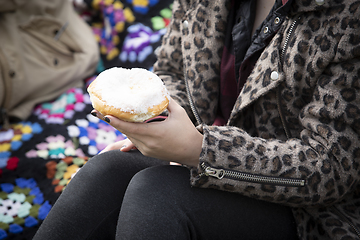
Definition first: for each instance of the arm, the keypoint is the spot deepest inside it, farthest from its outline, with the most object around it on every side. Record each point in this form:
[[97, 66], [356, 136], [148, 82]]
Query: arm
[[325, 153]]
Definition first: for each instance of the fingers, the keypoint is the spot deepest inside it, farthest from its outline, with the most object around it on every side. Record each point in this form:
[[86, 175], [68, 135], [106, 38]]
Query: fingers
[[162, 140], [137, 130], [113, 146], [124, 146], [97, 114], [127, 146], [176, 111], [124, 127], [127, 128], [113, 121], [173, 106]]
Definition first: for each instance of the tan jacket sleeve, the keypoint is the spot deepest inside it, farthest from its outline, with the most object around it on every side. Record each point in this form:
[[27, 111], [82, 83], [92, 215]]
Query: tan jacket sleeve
[[10, 5]]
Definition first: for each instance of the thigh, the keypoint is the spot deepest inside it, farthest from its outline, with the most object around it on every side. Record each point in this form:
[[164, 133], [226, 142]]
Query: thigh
[[91, 202], [160, 204]]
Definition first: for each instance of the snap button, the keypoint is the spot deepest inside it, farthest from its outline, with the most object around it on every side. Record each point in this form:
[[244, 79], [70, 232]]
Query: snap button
[[277, 20], [266, 29], [274, 75], [320, 2], [185, 24]]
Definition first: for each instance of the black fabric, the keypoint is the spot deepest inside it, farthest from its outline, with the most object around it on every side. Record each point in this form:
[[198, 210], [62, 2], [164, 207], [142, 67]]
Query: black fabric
[[158, 204], [89, 207]]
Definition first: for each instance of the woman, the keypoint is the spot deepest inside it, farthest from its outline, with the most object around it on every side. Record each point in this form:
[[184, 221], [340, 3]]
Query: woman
[[273, 91]]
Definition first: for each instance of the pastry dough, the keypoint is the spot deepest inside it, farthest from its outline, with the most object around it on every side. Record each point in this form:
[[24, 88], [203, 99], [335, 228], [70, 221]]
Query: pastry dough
[[132, 95]]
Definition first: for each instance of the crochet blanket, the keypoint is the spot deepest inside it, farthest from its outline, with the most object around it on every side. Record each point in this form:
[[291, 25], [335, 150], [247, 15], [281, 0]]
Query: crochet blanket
[[39, 156]]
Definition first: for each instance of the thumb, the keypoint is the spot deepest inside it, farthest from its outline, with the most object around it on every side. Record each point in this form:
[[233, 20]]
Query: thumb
[[173, 106], [123, 126], [127, 146]]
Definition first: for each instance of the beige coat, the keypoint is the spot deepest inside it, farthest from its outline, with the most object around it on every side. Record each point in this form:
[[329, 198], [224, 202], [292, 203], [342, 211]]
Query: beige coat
[[45, 48]]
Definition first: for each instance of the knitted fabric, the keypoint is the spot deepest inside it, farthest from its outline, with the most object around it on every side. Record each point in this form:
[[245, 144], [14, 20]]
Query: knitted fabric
[[39, 156]]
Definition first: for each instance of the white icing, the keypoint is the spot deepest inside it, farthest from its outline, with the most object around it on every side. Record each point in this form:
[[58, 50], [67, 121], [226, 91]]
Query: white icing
[[132, 90]]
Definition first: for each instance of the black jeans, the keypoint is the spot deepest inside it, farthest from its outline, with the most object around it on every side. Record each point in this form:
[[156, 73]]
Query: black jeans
[[119, 195]]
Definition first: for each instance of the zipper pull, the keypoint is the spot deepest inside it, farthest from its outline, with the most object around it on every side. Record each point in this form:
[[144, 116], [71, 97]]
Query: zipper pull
[[213, 172]]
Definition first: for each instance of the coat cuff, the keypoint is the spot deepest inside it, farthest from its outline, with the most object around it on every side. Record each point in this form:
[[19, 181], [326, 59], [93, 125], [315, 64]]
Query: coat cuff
[[197, 177]]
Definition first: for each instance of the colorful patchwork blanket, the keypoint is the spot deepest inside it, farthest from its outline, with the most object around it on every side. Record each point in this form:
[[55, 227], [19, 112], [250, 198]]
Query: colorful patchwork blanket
[[39, 156]]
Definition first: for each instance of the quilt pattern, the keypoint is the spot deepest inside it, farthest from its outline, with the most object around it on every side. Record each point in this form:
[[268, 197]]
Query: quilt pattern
[[39, 156]]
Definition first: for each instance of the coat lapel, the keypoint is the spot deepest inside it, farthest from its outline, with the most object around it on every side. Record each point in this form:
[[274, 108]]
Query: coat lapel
[[266, 75]]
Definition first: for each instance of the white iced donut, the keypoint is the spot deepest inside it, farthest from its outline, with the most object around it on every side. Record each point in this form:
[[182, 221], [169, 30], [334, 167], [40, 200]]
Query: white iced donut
[[132, 95]]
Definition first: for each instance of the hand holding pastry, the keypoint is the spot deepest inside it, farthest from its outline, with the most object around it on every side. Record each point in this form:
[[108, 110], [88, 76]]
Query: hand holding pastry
[[174, 139]]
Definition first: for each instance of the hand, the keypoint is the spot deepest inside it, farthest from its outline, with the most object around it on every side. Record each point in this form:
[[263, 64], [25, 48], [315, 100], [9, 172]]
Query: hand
[[174, 139], [124, 145]]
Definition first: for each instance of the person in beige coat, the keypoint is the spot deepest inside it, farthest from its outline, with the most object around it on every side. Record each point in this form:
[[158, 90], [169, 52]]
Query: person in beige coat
[[45, 49], [264, 118]]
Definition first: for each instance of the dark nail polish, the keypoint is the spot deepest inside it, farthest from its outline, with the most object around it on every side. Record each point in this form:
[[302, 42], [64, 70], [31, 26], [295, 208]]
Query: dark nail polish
[[107, 119], [94, 113]]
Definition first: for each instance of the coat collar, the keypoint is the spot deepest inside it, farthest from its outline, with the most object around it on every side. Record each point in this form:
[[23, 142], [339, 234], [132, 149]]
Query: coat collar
[[265, 77], [268, 75]]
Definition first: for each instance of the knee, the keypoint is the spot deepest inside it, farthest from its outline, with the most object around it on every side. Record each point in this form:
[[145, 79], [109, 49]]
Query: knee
[[156, 189], [164, 176], [159, 182], [107, 167], [152, 205], [100, 164]]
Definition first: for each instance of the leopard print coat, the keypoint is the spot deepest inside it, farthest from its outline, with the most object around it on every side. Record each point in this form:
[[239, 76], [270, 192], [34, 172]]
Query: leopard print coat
[[293, 137]]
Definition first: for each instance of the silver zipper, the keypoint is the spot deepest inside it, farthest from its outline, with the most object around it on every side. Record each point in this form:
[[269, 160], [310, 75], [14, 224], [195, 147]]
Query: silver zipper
[[288, 37], [192, 105], [291, 30], [222, 173]]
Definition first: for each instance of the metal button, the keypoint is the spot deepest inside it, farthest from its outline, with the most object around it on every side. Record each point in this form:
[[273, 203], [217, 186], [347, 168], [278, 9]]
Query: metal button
[[320, 2], [274, 75], [277, 20], [185, 24], [266, 29]]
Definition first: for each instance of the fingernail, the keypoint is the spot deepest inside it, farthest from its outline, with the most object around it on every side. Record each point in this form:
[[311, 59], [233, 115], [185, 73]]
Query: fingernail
[[124, 146], [107, 119], [93, 113]]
